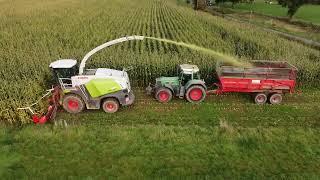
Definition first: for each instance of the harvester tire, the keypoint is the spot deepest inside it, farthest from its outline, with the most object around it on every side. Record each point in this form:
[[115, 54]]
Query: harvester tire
[[275, 98], [260, 98], [73, 103], [164, 95], [110, 105], [196, 94]]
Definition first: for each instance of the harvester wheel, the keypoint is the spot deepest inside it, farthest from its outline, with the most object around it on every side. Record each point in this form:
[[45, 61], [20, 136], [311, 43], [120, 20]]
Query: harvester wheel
[[110, 105], [260, 98], [72, 103], [196, 94], [275, 98], [164, 95]]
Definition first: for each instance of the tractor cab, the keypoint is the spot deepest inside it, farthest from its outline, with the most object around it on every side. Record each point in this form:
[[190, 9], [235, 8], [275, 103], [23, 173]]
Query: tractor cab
[[187, 72], [63, 70]]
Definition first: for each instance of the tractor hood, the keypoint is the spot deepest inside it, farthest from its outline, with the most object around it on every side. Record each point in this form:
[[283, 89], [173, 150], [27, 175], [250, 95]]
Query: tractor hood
[[168, 80]]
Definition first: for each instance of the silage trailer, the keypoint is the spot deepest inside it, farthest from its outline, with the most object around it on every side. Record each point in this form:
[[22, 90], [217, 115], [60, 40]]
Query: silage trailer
[[266, 80]]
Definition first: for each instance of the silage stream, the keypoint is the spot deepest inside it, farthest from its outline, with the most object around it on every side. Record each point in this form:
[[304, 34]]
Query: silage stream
[[217, 55]]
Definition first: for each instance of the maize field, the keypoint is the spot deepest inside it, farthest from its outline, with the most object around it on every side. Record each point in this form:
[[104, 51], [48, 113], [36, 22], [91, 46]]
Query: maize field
[[34, 33]]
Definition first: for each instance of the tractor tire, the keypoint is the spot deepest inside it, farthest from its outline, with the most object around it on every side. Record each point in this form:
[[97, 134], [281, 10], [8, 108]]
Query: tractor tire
[[196, 94], [110, 105], [260, 98], [73, 103], [164, 95], [275, 98]]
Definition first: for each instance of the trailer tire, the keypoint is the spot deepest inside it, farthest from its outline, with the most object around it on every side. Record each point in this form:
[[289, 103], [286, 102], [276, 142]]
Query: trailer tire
[[275, 98], [195, 94], [164, 95], [110, 105], [260, 98], [73, 103]]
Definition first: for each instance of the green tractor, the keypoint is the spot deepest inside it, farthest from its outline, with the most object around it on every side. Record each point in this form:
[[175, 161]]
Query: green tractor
[[187, 84]]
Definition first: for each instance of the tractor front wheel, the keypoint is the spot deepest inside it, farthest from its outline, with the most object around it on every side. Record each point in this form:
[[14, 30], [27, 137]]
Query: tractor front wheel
[[72, 103], [110, 105], [196, 94], [163, 95]]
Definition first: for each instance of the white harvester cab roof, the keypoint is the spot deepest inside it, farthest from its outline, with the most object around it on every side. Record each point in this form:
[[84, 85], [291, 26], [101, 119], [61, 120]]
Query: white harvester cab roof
[[189, 68], [63, 63]]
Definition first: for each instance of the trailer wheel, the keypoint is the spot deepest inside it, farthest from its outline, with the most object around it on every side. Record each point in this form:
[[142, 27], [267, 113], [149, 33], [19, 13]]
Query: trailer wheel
[[260, 98], [195, 94], [72, 103], [275, 98], [110, 105], [163, 95]]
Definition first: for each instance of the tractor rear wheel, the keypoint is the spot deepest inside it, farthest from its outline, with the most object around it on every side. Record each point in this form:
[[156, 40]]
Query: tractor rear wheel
[[73, 103], [196, 94], [260, 98], [110, 105], [275, 98], [164, 95]]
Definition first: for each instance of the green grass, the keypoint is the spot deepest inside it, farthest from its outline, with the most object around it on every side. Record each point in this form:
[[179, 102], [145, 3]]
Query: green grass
[[9, 159], [225, 137], [263, 8], [308, 13]]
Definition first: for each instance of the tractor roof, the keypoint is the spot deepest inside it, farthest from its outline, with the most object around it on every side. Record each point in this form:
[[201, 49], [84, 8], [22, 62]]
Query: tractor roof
[[189, 68], [63, 63]]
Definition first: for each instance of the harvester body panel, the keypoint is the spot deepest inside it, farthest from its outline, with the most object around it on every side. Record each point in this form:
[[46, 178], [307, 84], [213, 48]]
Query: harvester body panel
[[100, 87]]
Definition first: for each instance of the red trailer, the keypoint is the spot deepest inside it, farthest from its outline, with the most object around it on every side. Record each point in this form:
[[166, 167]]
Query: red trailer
[[266, 80]]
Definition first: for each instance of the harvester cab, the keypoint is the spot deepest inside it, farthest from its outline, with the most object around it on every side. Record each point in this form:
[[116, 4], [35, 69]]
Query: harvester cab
[[187, 84]]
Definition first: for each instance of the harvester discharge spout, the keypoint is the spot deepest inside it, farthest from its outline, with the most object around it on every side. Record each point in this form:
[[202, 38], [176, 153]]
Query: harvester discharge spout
[[107, 44]]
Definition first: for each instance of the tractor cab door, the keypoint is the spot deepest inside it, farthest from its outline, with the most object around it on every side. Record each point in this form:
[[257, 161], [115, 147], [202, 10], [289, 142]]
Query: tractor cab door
[[184, 78]]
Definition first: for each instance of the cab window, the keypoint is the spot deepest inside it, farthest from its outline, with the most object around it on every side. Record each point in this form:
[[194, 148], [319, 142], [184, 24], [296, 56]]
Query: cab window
[[196, 75], [185, 78]]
